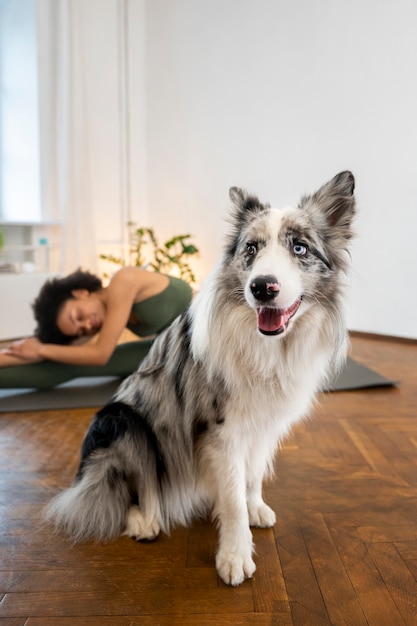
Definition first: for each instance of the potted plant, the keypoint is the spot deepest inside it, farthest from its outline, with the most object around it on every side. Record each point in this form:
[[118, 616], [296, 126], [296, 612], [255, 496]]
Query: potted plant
[[145, 251]]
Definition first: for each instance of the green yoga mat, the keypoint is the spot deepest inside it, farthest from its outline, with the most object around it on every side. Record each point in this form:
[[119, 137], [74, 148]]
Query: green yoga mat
[[95, 392]]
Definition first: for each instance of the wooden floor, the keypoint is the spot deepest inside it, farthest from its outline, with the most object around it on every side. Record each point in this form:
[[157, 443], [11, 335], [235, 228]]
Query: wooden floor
[[343, 551]]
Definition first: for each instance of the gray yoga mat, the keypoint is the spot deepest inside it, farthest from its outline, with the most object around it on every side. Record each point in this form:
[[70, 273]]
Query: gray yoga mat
[[95, 392], [356, 376], [78, 393]]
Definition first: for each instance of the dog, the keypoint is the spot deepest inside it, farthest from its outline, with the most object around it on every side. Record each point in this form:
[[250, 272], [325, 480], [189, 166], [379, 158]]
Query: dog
[[195, 429]]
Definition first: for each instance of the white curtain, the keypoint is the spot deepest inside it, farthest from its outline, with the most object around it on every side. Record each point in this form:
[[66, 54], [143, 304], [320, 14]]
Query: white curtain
[[64, 124]]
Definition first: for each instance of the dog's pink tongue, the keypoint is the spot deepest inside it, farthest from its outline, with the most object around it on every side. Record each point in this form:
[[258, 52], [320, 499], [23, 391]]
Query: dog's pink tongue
[[272, 321]]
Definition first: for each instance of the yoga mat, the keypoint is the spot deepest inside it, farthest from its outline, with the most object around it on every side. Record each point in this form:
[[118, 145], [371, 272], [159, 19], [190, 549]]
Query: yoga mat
[[356, 376], [78, 393], [95, 392]]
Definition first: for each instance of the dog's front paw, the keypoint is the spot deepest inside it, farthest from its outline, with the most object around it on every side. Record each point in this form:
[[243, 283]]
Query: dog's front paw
[[138, 528], [261, 516], [233, 567]]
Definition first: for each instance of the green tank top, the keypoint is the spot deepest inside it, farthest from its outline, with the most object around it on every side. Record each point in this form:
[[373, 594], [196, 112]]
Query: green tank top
[[158, 312]]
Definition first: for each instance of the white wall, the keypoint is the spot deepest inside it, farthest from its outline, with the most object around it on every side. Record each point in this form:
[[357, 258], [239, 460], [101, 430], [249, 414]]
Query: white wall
[[278, 97]]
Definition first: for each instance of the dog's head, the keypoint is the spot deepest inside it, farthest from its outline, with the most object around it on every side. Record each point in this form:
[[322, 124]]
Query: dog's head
[[290, 259]]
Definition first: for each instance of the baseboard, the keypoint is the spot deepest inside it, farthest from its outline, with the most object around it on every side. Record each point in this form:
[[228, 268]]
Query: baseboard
[[379, 337]]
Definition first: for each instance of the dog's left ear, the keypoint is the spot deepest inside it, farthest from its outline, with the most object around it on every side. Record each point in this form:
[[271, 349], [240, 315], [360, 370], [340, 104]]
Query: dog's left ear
[[336, 199]]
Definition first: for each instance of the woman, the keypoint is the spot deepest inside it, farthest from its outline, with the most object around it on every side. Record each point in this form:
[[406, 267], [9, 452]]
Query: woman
[[70, 310]]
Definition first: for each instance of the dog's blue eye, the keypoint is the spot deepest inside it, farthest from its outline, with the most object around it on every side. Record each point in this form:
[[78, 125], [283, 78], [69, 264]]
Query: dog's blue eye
[[300, 249]]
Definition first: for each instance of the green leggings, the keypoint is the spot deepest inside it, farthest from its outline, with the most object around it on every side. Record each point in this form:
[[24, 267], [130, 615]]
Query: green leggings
[[46, 374]]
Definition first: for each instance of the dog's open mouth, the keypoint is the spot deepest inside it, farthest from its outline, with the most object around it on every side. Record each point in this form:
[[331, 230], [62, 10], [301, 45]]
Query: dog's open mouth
[[275, 321]]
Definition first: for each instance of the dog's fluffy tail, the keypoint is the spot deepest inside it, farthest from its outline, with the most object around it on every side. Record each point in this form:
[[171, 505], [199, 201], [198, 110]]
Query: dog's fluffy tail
[[96, 506], [121, 465]]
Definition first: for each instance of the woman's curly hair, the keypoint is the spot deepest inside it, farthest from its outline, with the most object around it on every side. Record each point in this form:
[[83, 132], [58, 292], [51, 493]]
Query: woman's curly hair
[[50, 300]]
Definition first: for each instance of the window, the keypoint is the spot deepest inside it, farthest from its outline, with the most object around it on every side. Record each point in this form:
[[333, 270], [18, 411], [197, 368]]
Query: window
[[19, 113]]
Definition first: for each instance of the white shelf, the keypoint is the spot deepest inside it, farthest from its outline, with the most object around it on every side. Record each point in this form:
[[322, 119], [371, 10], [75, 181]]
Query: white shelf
[[27, 248], [8, 223]]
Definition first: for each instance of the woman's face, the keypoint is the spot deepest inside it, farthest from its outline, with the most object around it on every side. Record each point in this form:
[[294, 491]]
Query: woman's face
[[81, 315]]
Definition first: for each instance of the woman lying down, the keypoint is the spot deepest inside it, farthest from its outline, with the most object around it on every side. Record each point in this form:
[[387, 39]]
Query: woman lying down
[[71, 310]]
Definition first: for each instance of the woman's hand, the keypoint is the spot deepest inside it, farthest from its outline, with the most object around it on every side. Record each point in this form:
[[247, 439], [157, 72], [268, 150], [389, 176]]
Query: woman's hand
[[26, 349]]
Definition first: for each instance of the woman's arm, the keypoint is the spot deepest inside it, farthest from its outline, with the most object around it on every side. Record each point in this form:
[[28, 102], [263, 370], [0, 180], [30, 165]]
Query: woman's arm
[[120, 296], [9, 360]]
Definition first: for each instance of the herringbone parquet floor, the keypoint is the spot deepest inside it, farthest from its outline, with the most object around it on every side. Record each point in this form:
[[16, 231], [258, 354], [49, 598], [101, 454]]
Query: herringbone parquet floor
[[343, 551]]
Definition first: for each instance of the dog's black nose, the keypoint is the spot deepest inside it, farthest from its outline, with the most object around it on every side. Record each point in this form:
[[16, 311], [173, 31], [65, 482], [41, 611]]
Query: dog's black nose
[[265, 288]]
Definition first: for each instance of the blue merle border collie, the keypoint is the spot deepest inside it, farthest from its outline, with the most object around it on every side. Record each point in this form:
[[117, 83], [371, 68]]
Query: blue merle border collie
[[196, 427]]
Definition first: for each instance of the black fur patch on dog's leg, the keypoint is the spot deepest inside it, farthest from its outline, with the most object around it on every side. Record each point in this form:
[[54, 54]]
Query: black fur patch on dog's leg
[[115, 421]]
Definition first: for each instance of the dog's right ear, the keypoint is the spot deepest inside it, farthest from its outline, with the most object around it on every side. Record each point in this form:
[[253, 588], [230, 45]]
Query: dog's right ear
[[237, 196], [245, 202]]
